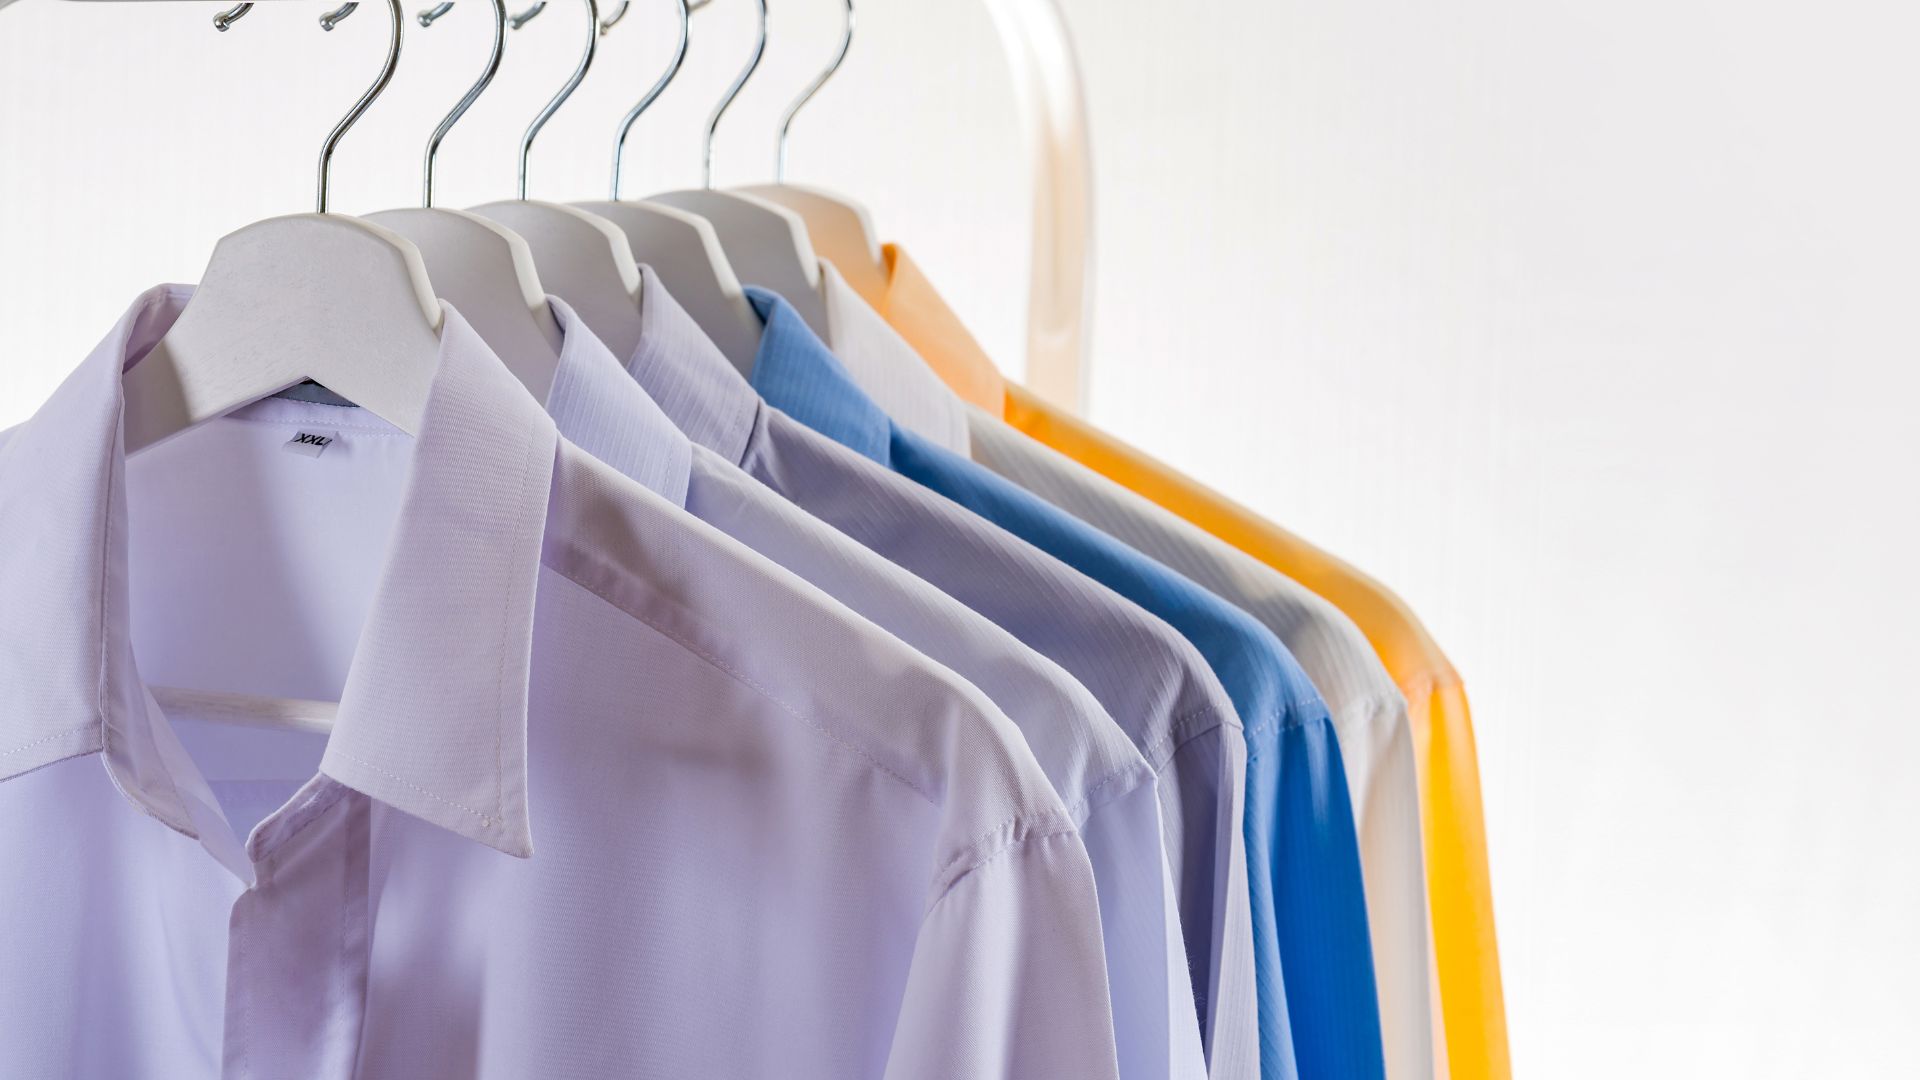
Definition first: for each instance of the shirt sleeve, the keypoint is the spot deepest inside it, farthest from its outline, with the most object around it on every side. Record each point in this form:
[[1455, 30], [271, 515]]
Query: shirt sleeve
[[1378, 751], [1008, 977], [1155, 1026]]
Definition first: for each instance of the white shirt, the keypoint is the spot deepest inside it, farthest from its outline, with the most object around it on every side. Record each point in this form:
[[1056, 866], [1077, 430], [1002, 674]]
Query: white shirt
[[1109, 789], [1368, 712], [887, 368], [606, 793]]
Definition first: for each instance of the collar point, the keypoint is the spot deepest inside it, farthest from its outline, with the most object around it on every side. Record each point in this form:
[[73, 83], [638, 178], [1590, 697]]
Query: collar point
[[510, 839]]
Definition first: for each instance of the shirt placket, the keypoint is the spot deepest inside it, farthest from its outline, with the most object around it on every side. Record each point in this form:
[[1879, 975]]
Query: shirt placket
[[297, 942]]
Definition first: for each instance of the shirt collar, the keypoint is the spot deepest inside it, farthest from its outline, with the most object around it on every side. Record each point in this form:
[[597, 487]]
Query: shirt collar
[[913, 307], [796, 373], [599, 407], [688, 378], [882, 363], [433, 716]]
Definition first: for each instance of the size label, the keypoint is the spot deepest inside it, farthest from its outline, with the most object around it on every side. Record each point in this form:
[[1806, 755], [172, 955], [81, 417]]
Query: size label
[[310, 443]]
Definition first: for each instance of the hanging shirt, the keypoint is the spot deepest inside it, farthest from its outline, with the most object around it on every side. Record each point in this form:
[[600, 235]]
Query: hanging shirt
[[1471, 1025], [1316, 995], [1369, 715], [1108, 788], [872, 352], [1148, 678], [772, 840]]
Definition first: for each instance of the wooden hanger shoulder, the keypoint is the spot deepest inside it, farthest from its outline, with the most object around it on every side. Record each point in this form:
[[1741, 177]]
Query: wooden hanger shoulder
[[684, 249], [335, 299], [767, 245], [841, 230], [487, 272], [583, 259]]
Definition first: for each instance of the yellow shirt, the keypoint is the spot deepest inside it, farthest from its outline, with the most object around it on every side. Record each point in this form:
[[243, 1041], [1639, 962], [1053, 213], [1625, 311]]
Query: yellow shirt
[[1472, 1024]]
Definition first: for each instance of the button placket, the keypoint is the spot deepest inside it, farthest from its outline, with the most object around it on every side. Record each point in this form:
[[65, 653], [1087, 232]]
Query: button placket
[[297, 947]]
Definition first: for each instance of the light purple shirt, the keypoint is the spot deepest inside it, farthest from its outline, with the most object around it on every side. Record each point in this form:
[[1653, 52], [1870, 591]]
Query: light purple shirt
[[606, 792], [1150, 680], [1105, 783]]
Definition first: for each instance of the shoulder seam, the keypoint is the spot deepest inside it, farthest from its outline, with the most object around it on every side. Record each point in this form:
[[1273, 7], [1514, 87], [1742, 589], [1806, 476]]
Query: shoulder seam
[[1285, 717], [1363, 710], [995, 843], [1183, 729], [1083, 805]]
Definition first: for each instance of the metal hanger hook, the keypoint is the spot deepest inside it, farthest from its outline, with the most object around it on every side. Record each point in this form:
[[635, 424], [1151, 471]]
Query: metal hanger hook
[[660, 84], [559, 99], [328, 21], [232, 15], [338, 15], [733, 91], [820, 80], [466, 100]]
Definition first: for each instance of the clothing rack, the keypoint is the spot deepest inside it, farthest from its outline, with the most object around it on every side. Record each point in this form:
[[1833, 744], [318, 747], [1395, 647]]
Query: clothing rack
[[1053, 111], [747, 563]]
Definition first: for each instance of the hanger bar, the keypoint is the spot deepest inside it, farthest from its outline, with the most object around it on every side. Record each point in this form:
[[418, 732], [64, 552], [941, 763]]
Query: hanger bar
[[248, 710]]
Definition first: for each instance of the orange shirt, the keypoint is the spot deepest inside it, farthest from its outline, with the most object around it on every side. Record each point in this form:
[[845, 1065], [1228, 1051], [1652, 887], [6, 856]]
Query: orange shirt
[[1472, 1020]]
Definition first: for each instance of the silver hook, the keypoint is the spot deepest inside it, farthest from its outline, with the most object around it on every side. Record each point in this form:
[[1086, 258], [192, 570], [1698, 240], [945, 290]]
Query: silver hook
[[619, 13], [528, 15], [230, 16], [329, 21], [820, 80], [633, 114], [559, 99], [337, 16], [473, 92], [740, 80]]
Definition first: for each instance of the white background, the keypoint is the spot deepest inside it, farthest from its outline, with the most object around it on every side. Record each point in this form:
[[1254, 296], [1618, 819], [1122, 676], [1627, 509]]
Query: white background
[[1590, 328]]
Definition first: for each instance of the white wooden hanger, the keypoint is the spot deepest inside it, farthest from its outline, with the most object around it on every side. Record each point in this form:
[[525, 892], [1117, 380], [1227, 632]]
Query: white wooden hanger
[[682, 247], [584, 259], [841, 229], [484, 269], [318, 296], [767, 244]]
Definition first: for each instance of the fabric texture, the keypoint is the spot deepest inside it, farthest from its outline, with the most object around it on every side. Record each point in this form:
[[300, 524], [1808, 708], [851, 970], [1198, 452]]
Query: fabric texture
[[1109, 790], [1148, 678], [912, 306], [792, 818], [1369, 715], [1471, 1026], [871, 350], [1313, 962]]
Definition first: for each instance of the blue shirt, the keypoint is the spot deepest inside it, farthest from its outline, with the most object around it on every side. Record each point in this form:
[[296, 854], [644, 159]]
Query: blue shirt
[[1319, 1016]]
